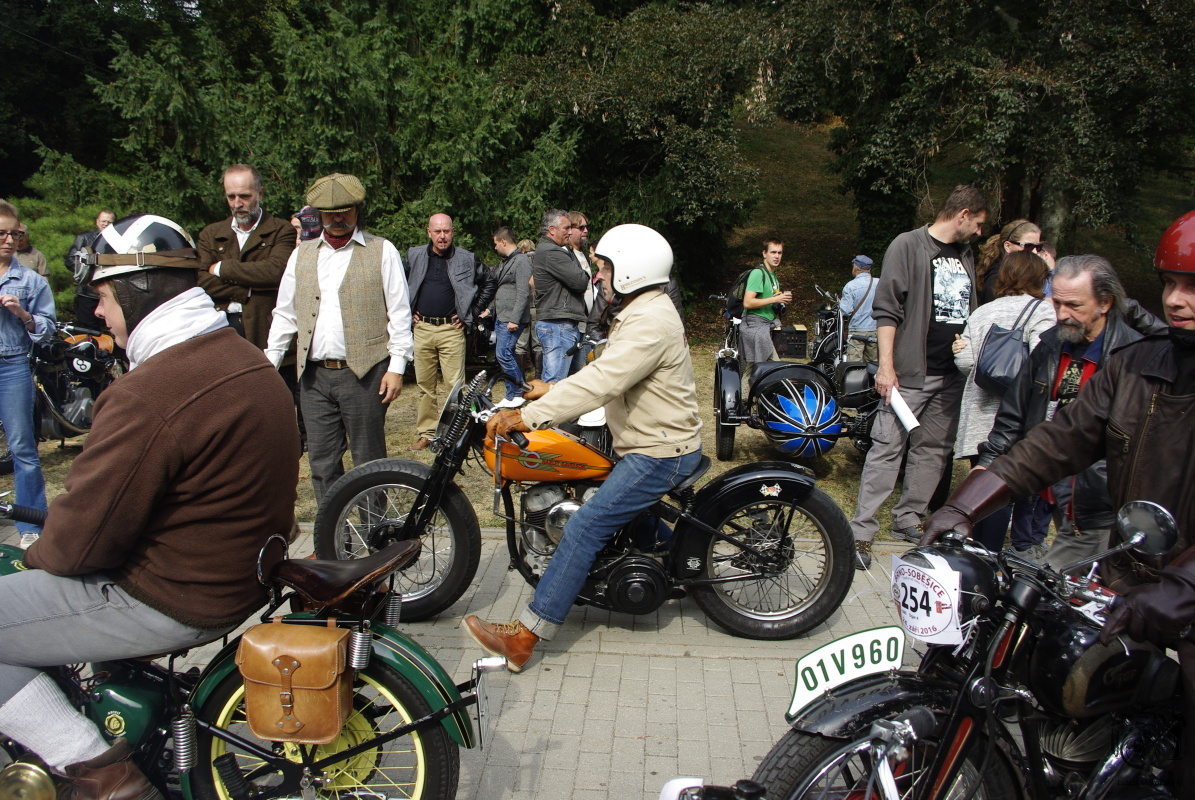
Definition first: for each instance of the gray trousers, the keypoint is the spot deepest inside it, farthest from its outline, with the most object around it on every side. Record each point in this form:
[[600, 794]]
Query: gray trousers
[[755, 341], [46, 620], [340, 412], [936, 406]]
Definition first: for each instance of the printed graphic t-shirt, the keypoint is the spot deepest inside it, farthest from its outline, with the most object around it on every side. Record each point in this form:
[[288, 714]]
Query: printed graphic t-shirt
[[952, 304]]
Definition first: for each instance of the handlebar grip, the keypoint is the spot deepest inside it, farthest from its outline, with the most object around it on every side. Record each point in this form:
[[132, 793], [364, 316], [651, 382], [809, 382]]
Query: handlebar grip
[[34, 516], [572, 351], [518, 438], [72, 328]]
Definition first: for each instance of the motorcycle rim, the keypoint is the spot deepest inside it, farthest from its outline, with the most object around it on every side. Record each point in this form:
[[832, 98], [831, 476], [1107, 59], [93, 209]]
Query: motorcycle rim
[[806, 766], [809, 546], [423, 764], [374, 501]]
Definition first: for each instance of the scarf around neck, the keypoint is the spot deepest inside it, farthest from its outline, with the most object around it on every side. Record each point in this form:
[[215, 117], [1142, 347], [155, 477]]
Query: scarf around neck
[[179, 319]]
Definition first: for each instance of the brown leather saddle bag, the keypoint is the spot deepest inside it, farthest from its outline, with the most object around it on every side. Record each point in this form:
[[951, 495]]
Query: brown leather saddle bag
[[298, 687]]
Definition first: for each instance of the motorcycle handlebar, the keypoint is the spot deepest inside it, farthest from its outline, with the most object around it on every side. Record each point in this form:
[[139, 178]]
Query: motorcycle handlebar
[[69, 327], [34, 516]]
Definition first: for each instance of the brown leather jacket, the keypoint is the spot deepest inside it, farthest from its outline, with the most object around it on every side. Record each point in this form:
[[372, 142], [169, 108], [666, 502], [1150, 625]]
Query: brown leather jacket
[[250, 276], [1128, 414]]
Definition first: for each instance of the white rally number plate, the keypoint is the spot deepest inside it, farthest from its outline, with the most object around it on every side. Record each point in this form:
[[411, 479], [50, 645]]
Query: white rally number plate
[[927, 599], [845, 659]]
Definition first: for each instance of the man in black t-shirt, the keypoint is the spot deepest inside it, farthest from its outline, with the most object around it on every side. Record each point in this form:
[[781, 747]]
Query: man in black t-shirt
[[924, 296]]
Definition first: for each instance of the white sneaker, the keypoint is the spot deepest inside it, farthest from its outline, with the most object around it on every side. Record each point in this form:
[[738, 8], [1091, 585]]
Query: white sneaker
[[28, 539]]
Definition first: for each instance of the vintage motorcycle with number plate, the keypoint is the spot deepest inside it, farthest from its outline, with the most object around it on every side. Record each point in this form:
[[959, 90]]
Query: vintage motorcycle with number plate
[[190, 732], [761, 549], [1014, 696]]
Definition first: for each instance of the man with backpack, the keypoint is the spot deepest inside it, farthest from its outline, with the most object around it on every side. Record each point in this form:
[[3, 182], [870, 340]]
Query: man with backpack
[[762, 303]]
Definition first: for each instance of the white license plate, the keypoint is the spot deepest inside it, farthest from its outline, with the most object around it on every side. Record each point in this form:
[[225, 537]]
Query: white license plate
[[863, 653]]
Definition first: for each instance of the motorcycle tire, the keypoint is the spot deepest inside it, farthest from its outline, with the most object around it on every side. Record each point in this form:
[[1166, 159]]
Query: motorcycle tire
[[423, 764], [815, 543], [5, 454], [383, 492], [804, 765], [724, 440]]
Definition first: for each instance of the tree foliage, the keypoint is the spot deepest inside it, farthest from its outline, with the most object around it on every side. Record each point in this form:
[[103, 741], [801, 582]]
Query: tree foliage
[[491, 111], [1058, 106]]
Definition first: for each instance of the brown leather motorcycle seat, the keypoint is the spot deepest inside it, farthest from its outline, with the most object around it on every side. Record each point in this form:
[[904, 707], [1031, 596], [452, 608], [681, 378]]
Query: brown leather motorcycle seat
[[325, 583]]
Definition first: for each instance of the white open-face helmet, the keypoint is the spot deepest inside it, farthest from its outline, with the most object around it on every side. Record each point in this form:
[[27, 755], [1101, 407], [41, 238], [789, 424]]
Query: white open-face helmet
[[135, 244], [640, 257]]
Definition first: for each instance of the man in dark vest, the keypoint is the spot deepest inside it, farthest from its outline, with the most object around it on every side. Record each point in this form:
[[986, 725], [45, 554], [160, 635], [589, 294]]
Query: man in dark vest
[[343, 301], [448, 284]]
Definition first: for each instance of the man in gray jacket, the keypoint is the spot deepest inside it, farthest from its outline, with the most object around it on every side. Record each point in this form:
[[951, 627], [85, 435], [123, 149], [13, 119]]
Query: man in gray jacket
[[446, 284], [559, 294], [925, 294], [512, 310]]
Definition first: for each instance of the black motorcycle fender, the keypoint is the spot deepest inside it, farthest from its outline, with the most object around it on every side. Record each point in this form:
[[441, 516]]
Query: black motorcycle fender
[[734, 488], [728, 391], [848, 711]]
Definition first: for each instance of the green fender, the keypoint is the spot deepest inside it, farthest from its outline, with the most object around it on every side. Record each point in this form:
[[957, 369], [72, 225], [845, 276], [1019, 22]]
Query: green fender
[[396, 650]]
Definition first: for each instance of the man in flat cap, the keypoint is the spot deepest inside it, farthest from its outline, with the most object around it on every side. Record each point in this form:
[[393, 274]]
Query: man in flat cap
[[343, 300]]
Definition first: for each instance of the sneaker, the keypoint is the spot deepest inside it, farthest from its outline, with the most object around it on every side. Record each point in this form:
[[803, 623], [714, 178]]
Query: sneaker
[[911, 534], [862, 554], [28, 539], [1034, 552]]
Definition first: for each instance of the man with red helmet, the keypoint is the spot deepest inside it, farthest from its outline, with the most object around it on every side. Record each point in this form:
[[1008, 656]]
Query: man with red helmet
[[1137, 413]]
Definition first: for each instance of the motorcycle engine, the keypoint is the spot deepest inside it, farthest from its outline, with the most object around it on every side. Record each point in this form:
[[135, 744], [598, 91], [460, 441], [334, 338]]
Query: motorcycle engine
[[547, 508], [78, 407]]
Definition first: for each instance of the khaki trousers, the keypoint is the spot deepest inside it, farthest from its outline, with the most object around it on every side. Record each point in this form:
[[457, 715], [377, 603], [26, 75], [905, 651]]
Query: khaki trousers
[[439, 364]]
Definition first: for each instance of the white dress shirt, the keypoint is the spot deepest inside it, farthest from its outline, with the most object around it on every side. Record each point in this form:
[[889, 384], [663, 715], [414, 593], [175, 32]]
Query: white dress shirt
[[327, 339]]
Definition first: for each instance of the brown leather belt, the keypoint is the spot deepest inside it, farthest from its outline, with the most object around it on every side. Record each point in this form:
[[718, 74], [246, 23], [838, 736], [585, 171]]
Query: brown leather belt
[[329, 363], [436, 320]]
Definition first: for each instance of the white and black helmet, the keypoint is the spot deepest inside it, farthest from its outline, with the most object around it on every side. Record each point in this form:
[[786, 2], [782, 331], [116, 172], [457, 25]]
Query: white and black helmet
[[640, 256], [135, 244]]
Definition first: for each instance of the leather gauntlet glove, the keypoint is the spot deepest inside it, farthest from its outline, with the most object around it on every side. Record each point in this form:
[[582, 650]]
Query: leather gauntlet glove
[[1161, 612], [979, 495]]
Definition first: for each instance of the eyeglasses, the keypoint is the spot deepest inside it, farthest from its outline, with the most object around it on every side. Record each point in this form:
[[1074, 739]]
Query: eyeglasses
[[14, 234], [581, 227], [1034, 246]]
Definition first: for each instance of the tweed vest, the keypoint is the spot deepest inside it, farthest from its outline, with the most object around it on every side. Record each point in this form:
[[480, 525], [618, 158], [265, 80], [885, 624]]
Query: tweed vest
[[362, 304]]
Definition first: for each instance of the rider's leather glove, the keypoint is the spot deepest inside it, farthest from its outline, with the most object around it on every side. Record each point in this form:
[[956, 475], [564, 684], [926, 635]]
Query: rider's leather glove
[[980, 494], [505, 421], [1161, 612]]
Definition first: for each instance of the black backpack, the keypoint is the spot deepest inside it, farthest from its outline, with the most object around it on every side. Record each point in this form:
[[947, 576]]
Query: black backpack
[[734, 298]]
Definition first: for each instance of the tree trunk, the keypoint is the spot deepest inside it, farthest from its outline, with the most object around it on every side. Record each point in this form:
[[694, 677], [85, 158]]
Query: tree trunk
[[1056, 223]]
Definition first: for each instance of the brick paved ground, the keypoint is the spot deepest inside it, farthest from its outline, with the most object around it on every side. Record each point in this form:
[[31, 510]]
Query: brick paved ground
[[616, 705]]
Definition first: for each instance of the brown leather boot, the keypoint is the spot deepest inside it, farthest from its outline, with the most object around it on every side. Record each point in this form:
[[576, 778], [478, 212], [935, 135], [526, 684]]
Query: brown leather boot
[[112, 775], [510, 639]]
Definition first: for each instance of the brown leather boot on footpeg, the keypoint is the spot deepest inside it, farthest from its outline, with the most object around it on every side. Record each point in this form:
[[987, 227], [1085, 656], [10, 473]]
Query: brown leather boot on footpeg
[[112, 775]]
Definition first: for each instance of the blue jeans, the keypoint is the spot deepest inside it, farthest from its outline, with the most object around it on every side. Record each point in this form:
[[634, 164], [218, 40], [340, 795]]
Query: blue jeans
[[504, 348], [16, 414], [634, 485], [557, 337]]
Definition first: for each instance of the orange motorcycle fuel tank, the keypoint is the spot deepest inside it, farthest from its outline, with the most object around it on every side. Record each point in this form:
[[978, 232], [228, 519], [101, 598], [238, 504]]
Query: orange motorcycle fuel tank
[[551, 455]]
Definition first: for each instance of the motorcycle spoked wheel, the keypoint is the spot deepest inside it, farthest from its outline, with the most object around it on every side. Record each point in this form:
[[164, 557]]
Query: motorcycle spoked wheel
[[811, 543], [423, 764], [803, 765], [380, 494]]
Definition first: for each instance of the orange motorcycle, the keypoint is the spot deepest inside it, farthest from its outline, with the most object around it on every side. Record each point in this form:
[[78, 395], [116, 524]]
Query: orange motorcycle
[[762, 550]]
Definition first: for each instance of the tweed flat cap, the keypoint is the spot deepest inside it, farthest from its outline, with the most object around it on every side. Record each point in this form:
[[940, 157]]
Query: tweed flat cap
[[335, 192]]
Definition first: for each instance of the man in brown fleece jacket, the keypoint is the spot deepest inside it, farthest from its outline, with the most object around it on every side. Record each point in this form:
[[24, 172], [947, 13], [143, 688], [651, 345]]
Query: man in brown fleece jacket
[[191, 465]]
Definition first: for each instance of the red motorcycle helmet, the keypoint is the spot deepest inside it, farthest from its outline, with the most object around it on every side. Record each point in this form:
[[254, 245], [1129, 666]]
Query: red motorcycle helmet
[[1176, 250]]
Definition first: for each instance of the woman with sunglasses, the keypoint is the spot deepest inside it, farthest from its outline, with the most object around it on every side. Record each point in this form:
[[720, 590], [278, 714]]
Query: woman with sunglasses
[[1020, 234]]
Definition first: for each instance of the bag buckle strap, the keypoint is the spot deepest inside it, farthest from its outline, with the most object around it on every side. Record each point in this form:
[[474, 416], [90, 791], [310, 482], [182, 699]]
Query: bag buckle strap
[[286, 666]]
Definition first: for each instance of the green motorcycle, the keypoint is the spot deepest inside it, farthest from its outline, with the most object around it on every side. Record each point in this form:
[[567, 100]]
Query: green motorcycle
[[190, 734]]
